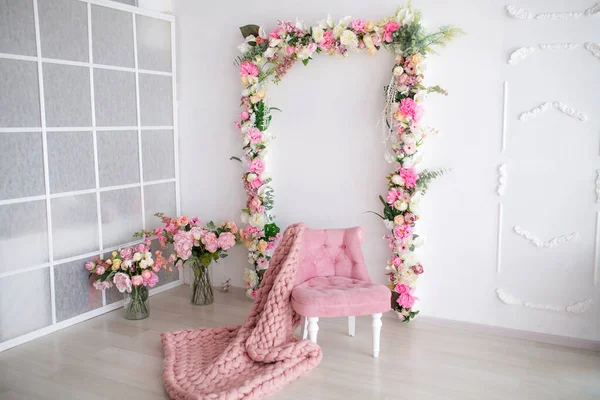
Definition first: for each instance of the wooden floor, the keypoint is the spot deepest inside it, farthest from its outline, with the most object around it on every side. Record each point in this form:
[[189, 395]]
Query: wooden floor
[[109, 357]]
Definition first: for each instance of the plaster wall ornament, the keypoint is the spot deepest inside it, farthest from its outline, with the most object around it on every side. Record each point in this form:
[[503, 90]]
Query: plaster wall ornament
[[501, 179], [559, 46], [576, 308], [520, 54], [594, 48], [527, 115], [518, 13], [569, 111], [595, 9], [530, 114], [541, 243]]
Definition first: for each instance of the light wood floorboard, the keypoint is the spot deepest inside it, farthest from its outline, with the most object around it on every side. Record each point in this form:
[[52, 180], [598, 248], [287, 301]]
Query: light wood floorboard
[[109, 357]]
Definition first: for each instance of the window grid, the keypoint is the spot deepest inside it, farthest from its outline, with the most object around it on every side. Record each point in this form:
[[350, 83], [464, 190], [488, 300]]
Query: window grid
[[43, 129]]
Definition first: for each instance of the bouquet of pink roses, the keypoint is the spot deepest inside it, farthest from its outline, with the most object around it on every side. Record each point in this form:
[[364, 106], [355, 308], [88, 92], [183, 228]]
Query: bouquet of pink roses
[[131, 270], [196, 246]]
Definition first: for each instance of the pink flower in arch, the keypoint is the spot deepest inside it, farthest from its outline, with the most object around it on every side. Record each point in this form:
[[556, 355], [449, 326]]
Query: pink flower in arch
[[248, 68], [255, 184], [328, 41], [392, 196], [409, 108], [358, 25], [402, 232], [396, 261], [90, 266], [254, 134], [417, 269], [406, 300], [401, 288], [410, 176], [244, 115], [389, 28], [256, 165]]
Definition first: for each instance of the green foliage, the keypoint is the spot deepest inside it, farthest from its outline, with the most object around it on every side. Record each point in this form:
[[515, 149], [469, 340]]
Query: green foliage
[[389, 212], [426, 176], [249, 30], [271, 230], [414, 38]]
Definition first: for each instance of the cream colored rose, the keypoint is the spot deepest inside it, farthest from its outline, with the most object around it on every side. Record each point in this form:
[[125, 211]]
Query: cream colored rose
[[400, 205], [262, 246], [397, 180], [398, 71], [349, 39], [399, 220], [317, 34], [369, 26]]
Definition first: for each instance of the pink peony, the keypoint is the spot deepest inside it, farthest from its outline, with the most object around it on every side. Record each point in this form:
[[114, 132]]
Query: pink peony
[[328, 41], [183, 243], [402, 288], [101, 285], [417, 269], [402, 232], [153, 280], [254, 134], [376, 40], [358, 25], [409, 108], [194, 221], [256, 165], [250, 232], [90, 266], [210, 242], [122, 282], [396, 261], [255, 184], [392, 196], [248, 69], [142, 248], [127, 254], [137, 280], [244, 115], [410, 176], [100, 270], [406, 300], [226, 240], [389, 28], [146, 275]]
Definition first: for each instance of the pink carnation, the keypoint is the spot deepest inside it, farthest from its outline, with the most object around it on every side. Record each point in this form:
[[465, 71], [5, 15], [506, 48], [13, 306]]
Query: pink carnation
[[358, 25], [250, 232], [256, 165], [389, 28], [410, 176], [137, 280], [254, 134], [262, 263], [226, 240], [406, 300], [328, 41], [122, 282], [402, 232], [392, 196], [409, 108], [248, 68], [210, 242], [183, 243], [142, 248]]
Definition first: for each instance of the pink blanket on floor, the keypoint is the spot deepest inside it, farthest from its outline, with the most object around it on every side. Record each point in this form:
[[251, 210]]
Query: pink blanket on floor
[[249, 361]]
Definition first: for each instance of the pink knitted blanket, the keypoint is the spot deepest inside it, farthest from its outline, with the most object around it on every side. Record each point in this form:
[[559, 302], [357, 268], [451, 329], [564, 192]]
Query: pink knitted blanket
[[249, 361]]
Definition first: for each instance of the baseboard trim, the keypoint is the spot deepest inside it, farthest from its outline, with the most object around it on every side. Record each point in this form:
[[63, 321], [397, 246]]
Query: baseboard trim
[[80, 318], [584, 344]]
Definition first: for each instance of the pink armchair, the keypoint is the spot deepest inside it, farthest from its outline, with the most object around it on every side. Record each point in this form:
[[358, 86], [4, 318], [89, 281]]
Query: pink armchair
[[332, 281]]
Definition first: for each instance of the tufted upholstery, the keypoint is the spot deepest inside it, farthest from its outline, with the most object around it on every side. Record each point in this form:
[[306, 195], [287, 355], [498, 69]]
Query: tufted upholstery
[[332, 279]]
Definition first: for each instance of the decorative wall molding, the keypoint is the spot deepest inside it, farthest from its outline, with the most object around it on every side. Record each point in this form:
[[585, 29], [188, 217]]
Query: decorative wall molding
[[504, 116], [520, 13], [559, 46], [576, 308], [540, 243], [520, 54], [597, 250], [598, 186], [527, 115], [501, 179], [594, 48], [499, 240]]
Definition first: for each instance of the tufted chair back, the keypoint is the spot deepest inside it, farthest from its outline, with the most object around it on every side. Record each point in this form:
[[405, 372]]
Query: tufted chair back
[[332, 252]]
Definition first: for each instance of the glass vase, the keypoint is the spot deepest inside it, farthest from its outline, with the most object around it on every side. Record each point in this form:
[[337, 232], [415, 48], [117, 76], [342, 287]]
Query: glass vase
[[202, 292], [137, 308]]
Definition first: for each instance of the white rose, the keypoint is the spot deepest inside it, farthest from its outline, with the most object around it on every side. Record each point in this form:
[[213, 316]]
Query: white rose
[[397, 180], [150, 262], [317, 34], [416, 198], [109, 261], [148, 255], [137, 256], [251, 177], [403, 89], [126, 264], [399, 71], [349, 39], [420, 96], [400, 205], [337, 31], [404, 16], [257, 220], [415, 209], [143, 264]]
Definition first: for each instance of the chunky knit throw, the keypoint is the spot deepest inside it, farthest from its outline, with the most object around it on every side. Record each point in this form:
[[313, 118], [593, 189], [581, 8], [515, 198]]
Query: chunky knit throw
[[250, 361]]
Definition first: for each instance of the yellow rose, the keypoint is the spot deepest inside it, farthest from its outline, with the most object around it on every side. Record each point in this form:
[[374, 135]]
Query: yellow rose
[[244, 80], [114, 253], [369, 26], [116, 264], [262, 246]]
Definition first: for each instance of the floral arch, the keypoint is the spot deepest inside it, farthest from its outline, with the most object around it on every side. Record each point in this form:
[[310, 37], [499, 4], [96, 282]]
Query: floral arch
[[268, 57]]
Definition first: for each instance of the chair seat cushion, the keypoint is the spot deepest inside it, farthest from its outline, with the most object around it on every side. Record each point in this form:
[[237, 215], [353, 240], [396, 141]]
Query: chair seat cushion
[[337, 296]]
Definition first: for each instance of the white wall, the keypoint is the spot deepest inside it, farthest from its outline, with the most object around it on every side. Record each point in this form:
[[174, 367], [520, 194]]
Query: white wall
[[327, 161]]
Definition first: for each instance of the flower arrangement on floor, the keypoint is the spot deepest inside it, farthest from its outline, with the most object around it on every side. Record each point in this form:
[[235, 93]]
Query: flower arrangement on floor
[[269, 56], [195, 246], [132, 270]]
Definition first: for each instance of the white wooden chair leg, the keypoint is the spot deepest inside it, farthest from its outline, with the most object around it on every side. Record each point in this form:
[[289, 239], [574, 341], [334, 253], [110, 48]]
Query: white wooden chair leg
[[351, 325], [313, 328], [304, 328], [376, 334]]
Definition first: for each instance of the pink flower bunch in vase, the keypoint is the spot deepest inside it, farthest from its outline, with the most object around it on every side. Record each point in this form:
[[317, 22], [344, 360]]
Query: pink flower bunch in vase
[[196, 246], [131, 270]]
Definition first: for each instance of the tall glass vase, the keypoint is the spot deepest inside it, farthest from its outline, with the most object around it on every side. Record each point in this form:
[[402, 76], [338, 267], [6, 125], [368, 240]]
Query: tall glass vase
[[137, 308], [202, 292]]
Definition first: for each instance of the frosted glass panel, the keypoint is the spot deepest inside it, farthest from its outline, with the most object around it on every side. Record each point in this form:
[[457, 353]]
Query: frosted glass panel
[[112, 33], [19, 94], [74, 225], [24, 227], [118, 159], [63, 29], [21, 165], [73, 290], [159, 198], [156, 100], [130, 2], [114, 92], [121, 215], [71, 161], [24, 303], [158, 158], [113, 295], [154, 43], [67, 95], [17, 29]]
